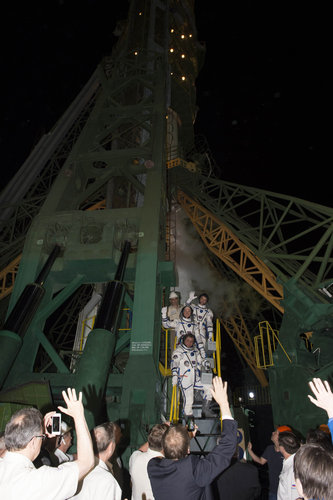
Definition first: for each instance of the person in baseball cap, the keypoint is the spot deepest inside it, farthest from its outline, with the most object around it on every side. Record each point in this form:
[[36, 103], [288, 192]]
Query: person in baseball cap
[[64, 443]]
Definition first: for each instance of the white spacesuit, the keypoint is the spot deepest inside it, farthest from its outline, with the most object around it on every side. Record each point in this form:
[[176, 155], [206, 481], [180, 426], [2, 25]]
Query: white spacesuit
[[203, 316], [183, 325], [186, 365]]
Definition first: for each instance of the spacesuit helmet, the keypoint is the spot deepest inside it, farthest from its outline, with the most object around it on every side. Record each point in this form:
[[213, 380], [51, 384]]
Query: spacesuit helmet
[[188, 340], [186, 307]]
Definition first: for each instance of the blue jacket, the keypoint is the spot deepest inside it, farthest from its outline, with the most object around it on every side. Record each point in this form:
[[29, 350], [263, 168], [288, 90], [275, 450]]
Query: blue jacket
[[330, 426], [190, 477]]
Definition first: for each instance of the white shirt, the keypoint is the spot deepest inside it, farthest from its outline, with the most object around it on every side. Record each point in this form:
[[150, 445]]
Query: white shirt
[[20, 480], [287, 486], [99, 484], [173, 312], [63, 457], [138, 462]]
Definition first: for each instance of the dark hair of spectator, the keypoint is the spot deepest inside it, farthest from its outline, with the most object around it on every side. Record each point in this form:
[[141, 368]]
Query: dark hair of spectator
[[176, 442], [320, 437], [22, 427], [289, 442], [155, 436], [102, 435], [313, 466]]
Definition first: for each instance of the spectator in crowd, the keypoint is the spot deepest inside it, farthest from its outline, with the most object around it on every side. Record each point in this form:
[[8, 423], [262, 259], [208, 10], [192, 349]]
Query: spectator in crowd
[[240, 481], [24, 434], [115, 463], [323, 399], [64, 443], [46, 455], [139, 459], [313, 470], [318, 436], [289, 444], [182, 475], [273, 458], [2, 445], [100, 484]]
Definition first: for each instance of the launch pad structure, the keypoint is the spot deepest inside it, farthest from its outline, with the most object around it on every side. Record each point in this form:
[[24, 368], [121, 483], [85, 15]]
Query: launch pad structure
[[85, 243]]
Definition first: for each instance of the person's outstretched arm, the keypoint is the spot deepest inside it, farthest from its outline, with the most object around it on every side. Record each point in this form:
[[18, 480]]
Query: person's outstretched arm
[[206, 469], [220, 394], [255, 458], [323, 395], [85, 453]]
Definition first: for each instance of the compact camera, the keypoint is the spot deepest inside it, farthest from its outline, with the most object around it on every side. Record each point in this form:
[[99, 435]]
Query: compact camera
[[190, 424]]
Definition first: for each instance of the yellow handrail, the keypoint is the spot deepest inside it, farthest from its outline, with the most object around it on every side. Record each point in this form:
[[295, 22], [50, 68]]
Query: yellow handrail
[[217, 357], [93, 318], [174, 407], [268, 343]]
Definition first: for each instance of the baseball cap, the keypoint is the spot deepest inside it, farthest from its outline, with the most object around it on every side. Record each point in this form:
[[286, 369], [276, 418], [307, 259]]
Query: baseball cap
[[284, 428]]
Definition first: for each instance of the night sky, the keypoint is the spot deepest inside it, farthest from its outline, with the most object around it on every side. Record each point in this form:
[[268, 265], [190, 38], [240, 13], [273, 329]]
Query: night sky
[[262, 93]]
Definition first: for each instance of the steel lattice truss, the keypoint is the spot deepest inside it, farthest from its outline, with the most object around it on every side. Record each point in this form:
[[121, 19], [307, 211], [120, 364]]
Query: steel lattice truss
[[293, 237], [21, 212]]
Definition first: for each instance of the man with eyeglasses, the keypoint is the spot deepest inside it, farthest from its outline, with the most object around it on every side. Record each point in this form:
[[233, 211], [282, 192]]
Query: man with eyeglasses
[[24, 434]]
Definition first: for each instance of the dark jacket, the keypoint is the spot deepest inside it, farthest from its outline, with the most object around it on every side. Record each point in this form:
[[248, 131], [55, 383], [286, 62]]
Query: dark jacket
[[239, 482], [190, 477]]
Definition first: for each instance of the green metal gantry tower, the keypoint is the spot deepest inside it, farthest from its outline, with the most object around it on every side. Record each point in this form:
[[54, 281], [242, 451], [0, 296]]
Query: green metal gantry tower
[[99, 180]]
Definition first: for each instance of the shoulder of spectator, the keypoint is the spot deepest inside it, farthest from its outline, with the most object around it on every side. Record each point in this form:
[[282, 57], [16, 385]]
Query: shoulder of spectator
[[144, 447]]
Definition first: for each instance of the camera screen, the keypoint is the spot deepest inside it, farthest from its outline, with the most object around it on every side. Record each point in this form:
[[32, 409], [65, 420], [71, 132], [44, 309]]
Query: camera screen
[[56, 424]]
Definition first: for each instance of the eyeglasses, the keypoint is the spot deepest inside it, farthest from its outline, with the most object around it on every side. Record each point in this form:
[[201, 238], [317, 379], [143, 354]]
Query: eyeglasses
[[42, 436]]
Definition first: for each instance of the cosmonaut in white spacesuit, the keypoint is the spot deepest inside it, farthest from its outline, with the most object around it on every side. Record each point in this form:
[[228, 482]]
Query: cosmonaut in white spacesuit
[[183, 325], [186, 366], [203, 316]]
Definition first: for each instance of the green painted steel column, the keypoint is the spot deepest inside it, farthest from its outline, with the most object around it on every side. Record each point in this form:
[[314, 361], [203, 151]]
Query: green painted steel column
[[93, 371], [94, 365], [140, 400], [10, 345]]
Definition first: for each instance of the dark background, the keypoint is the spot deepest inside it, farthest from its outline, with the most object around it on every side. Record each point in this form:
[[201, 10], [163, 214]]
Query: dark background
[[262, 93]]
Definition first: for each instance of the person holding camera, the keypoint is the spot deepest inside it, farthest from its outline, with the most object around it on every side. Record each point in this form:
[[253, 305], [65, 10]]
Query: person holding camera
[[24, 434], [63, 444]]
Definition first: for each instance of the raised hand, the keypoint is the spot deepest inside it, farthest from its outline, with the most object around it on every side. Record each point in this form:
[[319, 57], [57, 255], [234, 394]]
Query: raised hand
[[74, 406], [323, 395], [219, 392], [48, 422]]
